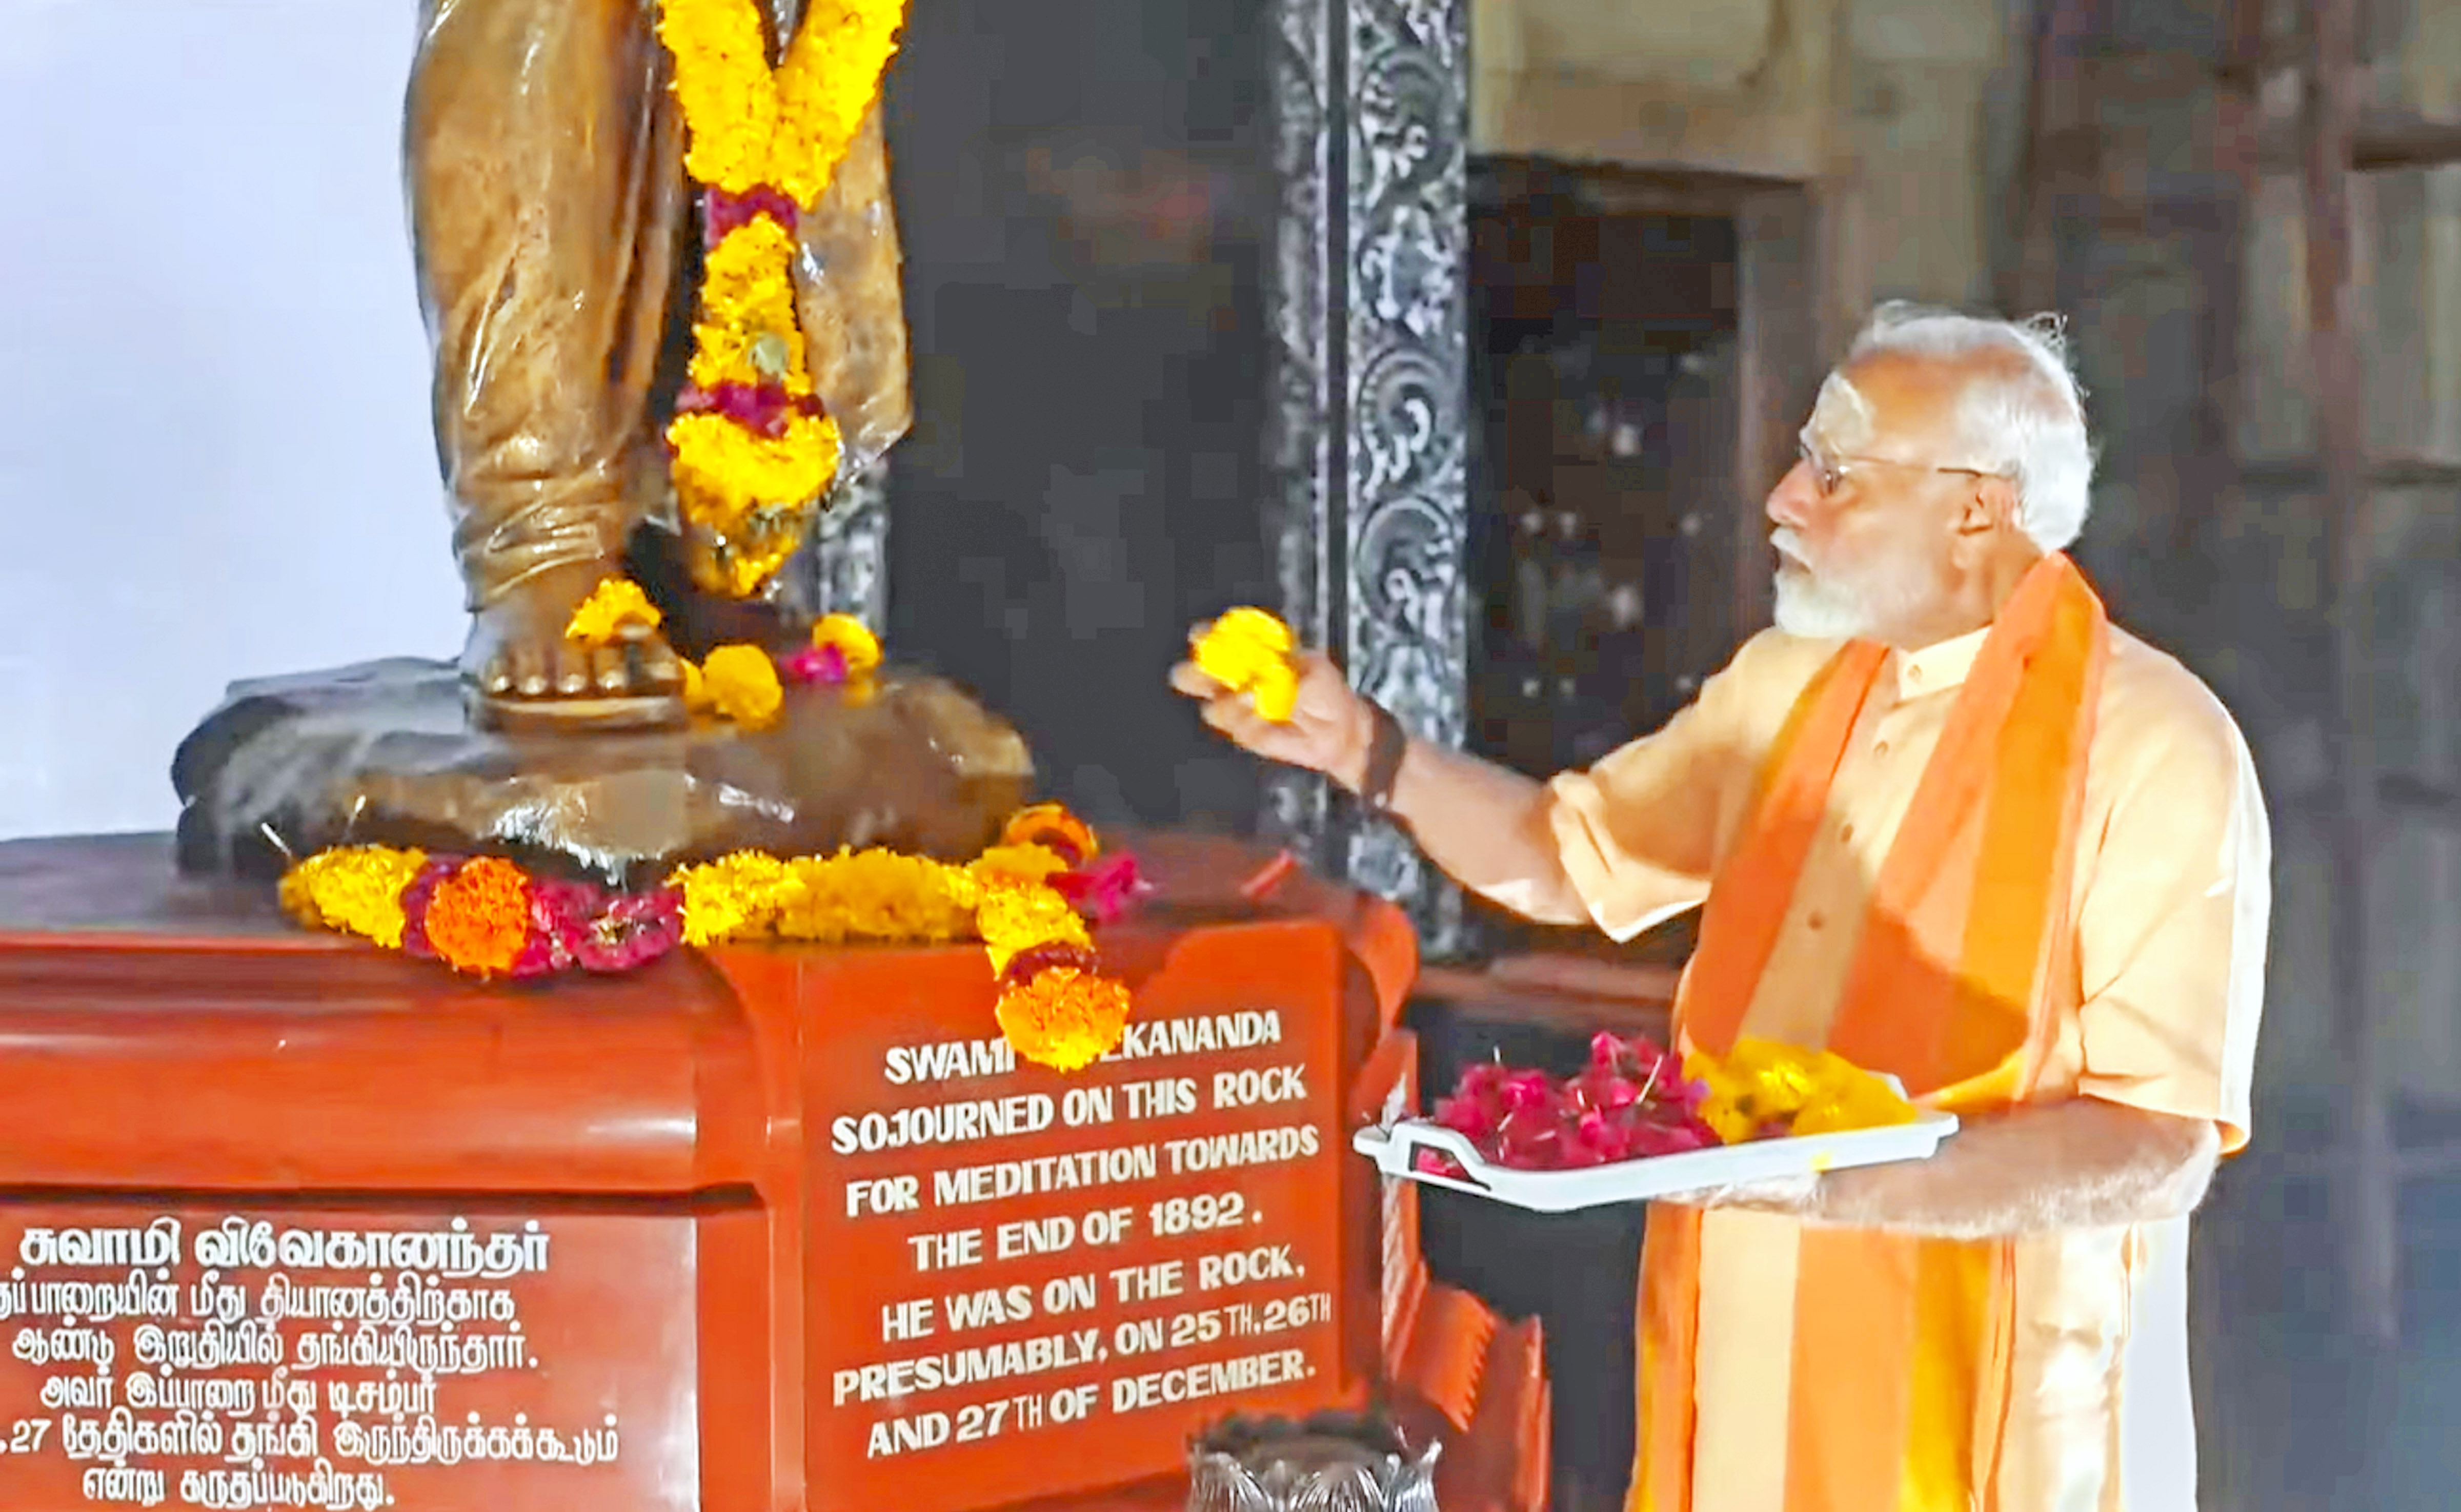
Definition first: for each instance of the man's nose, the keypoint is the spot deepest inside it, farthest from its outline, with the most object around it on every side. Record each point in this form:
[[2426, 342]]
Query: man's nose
[[1792, 500]]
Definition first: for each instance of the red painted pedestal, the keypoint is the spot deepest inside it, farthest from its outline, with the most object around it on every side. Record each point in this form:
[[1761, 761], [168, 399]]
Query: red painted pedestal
[[290, 1222]]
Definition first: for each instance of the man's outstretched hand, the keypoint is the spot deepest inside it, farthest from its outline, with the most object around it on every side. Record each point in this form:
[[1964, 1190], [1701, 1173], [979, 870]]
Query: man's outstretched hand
[[1329, 730]]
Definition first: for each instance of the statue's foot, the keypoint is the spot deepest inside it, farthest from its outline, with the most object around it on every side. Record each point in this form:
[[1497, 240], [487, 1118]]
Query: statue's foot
[[523, 673]]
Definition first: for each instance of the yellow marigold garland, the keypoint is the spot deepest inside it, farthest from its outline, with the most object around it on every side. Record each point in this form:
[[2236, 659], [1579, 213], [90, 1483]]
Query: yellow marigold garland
[[725, 87], [1018, 917], [747, 297], [738, 897], [752, 454], [354, 890], [788, 129], [1017, 865], [1060, 1013], [486, 917], [831, 77], [728, 477]]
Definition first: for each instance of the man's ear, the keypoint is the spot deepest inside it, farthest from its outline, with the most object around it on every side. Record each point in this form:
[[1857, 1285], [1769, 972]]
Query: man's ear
[[1989, 505]]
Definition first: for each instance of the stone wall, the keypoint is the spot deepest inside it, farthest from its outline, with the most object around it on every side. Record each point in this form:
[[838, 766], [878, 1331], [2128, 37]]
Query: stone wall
[[2259, 632], [1894, 109], [1909, 119]]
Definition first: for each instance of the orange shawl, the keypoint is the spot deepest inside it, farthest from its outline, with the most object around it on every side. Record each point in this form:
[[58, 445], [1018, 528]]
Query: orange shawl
[[1901, 1345]]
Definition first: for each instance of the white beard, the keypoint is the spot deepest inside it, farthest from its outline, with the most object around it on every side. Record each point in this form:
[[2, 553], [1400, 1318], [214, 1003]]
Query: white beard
[[1836, 606], [1818, 610]]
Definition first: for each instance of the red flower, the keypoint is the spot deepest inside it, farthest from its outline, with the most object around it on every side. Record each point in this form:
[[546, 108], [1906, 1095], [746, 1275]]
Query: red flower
[[1050, 956], [1630, 1103], [633, 931], [1105, 888], [816, 664], [763, 409], [722, 213]]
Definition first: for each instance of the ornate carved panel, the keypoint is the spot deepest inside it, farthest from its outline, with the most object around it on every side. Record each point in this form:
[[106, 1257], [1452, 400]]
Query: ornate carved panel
[[844, 567], [1369, 315]]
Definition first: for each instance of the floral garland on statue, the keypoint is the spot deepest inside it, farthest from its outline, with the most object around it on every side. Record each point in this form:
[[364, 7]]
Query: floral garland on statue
[[1025, 899], [1021, 898], [752, 446], [741, 684]]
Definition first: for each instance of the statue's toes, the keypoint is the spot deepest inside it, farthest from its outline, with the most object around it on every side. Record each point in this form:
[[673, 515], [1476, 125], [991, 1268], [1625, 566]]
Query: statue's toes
[[607, 671], [530, 672], [572, 670], [661, 669], [496, 676]]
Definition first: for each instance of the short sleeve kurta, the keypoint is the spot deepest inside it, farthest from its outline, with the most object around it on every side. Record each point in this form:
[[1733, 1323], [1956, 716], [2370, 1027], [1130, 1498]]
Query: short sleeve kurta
[[2172, 904]]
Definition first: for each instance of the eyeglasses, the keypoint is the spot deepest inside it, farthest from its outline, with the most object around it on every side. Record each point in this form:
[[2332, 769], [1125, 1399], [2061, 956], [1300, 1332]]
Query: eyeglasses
[[1830, 473]]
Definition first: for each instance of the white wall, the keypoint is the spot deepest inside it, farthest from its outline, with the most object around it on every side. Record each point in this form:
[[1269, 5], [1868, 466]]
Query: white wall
[[214, 452]]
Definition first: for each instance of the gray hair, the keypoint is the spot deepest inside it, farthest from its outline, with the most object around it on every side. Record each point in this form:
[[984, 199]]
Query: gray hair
[[2029, 424]]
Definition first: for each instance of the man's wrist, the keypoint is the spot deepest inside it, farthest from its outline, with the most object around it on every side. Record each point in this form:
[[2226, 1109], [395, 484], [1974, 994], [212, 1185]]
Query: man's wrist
[[1388, 746], [1351, 770]]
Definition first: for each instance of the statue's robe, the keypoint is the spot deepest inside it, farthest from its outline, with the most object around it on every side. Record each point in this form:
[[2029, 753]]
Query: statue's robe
[[554, 229]]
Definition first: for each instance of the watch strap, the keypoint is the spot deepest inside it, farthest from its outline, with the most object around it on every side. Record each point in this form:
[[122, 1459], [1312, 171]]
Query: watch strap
[[1385, 749]]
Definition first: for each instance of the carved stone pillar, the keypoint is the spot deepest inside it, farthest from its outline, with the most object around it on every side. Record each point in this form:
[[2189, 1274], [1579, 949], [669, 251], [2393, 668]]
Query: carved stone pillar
[[1369, 380], [844, 569]]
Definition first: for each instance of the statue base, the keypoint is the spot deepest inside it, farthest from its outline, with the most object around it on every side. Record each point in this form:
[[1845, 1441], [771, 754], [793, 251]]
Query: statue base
[[385, 752], [601, 1241]]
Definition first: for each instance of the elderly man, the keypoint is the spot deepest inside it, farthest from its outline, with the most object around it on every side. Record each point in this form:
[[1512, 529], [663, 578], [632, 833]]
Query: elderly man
[[1948, 821]]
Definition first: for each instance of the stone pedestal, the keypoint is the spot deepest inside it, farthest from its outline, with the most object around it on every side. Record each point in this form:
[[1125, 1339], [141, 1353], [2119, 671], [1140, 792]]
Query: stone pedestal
[[297, 1222], [384, 752]]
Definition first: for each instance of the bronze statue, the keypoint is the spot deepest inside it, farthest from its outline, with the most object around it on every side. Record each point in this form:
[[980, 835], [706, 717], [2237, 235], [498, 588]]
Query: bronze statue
[[554, 228], [560, 243]]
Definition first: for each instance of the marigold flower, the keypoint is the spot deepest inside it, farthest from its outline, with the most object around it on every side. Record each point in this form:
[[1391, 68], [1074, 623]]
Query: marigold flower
[[357, 890], [1064, 1018], [724, 473], [1053, 827], [1249, 650], [1016, 865], [747, 331], [740, 683], [614, 606], [856, 648], [1014, 919], [478, 917], [1762, 1086], [735, 897], [843, 653]]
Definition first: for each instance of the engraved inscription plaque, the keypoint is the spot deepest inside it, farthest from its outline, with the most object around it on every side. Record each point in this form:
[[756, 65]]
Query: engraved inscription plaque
[[256, 1356]]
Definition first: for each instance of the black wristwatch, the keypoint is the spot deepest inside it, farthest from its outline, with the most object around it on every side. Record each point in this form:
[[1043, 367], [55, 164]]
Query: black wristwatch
[[1385, 747]]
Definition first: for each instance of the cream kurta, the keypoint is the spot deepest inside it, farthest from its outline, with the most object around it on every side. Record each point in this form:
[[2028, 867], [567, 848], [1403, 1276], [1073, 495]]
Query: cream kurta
[[2173, 897]]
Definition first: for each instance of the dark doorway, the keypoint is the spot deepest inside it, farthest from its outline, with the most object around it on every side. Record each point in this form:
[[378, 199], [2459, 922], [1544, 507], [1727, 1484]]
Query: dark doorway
[[1643, 349], [1604, 348]]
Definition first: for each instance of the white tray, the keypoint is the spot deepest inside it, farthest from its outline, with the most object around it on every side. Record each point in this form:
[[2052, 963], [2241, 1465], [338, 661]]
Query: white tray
[[1394, 1147]]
